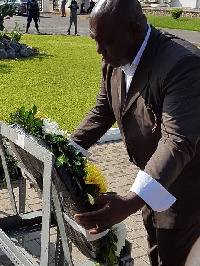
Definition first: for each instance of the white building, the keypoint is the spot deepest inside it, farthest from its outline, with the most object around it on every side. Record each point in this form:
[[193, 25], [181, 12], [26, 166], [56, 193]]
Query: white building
[[54, 5], [173, 3], [186, 3]]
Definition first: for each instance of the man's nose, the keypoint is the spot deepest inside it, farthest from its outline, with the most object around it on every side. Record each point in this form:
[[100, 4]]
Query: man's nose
[[100, 48]]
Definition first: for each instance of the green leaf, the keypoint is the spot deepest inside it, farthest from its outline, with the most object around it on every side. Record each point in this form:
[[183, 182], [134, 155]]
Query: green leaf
[[31, 116], [112, 257], [60, 160], [58, 163], [26, 114], [91, 199], [77, 163], [34, 109], [22, 109]]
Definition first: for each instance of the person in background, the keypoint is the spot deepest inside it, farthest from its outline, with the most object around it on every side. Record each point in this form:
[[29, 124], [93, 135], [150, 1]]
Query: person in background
[[151, 86], [92, 4], [63, 13], [73, 16], [33, 12]]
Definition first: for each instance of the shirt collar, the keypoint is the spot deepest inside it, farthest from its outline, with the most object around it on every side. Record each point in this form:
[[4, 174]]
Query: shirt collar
[[130, 69]]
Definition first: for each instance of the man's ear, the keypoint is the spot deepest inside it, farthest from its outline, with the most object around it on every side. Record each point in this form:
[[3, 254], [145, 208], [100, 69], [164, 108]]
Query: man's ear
[[135, 28]]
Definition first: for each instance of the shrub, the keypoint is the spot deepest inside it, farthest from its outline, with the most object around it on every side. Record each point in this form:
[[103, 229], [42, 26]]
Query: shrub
[[4, 34], [5, 10], [176, 13], [16, 33]]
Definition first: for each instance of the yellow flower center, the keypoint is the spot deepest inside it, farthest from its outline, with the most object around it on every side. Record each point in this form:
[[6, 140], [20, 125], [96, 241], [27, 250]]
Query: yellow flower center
[[39, 115], [95, 176]]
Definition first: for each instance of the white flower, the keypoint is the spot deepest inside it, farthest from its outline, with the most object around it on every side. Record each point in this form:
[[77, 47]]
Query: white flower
[[120, 231], [52, 128]]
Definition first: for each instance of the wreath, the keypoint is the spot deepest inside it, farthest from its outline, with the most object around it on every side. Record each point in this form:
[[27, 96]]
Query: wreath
[[77, 180]]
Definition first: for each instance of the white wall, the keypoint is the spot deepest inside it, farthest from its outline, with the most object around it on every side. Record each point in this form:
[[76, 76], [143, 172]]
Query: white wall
[[184, 3], [174, 3], [47, 6]]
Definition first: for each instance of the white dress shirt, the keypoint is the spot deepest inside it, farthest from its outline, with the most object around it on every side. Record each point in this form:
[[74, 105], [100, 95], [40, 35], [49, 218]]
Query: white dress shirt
[[146, 187]]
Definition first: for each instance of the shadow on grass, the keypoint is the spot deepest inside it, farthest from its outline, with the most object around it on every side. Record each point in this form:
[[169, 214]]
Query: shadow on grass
[[37, 54], [5, 69]]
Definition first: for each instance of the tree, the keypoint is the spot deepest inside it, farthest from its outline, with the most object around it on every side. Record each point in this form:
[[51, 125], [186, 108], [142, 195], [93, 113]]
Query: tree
[[5, 10]]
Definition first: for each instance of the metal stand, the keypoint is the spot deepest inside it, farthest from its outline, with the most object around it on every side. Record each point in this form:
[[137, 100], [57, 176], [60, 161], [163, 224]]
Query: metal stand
[[17, 254], [21, 222]]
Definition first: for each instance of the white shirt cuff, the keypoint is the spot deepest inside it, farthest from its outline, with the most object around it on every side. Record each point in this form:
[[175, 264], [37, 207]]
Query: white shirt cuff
[[152, 192]]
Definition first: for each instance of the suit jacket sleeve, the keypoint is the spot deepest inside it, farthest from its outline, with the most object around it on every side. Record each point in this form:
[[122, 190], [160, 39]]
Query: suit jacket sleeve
[[180, 124], [98, 120]]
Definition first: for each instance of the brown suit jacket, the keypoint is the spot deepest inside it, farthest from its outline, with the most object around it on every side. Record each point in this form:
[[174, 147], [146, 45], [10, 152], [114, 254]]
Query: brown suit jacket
[[159, 121]]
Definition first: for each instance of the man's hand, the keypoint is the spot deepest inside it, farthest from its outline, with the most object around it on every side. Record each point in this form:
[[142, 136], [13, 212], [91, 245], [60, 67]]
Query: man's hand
[[115, 210]]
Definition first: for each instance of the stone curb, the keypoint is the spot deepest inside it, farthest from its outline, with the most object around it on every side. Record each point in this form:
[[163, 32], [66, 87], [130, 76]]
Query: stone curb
[[112, 134]]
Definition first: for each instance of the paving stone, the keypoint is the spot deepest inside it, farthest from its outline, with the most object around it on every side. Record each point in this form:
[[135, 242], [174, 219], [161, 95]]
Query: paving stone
[[142, 242], [33, 201], [145, 258], [140, 262], [139, 252], [133, 244]]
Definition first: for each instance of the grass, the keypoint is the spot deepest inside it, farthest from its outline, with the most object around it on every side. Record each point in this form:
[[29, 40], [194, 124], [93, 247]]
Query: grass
[[62, 81], [181, 23]]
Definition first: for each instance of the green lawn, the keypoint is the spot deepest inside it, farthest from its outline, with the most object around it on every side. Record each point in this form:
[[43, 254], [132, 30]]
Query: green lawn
[[62, 81], [170, 23]]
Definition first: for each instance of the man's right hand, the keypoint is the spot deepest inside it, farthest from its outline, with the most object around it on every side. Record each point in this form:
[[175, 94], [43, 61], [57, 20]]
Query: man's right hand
[[115, 210]]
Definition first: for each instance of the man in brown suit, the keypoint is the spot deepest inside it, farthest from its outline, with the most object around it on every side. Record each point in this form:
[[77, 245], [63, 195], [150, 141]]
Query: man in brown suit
[[151, 87]]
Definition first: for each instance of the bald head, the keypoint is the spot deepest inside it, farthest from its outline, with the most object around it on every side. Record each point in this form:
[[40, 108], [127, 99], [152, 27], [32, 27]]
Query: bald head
[[128, 10], [119, 28]]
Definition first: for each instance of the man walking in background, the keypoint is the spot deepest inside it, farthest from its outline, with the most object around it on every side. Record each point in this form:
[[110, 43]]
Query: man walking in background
[[92, 4], [63, 3], [73, 16], [33, 13]]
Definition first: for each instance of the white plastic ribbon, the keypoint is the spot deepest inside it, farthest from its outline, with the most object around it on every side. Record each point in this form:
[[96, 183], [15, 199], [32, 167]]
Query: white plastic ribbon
[[84, 231], [87, 154]]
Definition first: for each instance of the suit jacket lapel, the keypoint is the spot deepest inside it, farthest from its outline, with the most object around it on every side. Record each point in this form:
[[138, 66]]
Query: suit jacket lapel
[[116, 94], [123, 91], [142, 74]]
